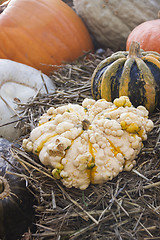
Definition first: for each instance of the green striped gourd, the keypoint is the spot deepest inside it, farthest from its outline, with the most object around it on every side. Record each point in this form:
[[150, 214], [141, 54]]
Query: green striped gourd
[[134, 73]]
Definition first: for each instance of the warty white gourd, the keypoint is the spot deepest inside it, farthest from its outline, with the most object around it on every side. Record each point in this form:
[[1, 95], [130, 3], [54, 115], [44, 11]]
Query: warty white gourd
[[90, 143]]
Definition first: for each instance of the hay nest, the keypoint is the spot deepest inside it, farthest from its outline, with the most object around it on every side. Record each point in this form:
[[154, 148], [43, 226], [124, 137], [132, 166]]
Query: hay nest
[[128, 207]]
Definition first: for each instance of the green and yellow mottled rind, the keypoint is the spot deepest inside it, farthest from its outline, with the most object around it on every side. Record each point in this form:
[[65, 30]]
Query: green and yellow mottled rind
[[134, 75]]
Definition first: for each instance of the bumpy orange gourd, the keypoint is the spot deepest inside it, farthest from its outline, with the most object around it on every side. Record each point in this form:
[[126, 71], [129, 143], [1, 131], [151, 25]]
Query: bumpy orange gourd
[[42, 33], [147, 34]]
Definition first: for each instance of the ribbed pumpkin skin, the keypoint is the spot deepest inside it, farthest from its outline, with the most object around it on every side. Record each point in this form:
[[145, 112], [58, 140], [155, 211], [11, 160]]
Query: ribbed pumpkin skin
[[42, 33], [135, 75], [147, 34]]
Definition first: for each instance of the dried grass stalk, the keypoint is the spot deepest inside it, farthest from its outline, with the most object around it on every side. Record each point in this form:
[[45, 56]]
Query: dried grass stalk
[[128, 207]]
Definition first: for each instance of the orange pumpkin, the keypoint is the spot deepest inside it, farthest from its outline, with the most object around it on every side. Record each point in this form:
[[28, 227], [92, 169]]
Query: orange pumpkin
[[2, 1], [42, 33], [147, 34]]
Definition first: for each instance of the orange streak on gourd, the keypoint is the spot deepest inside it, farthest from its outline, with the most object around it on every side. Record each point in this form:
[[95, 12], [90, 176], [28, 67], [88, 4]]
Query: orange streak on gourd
[[114, 149], [41, 145], [91, 172]]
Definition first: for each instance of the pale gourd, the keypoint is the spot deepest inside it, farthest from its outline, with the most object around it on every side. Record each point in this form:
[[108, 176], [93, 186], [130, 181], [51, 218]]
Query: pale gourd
[[110, 22], [89, 143], [18, 83]]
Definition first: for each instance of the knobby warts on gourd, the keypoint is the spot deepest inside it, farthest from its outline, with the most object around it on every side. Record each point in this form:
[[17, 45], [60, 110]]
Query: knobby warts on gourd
[[90, 143]]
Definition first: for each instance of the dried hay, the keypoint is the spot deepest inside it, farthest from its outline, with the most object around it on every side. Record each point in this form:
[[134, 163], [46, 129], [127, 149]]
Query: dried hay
[[128, 207]]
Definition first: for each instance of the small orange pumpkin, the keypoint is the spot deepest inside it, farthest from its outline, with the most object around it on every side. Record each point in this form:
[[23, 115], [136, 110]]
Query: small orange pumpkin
[[147, 34], [2, 1], [42, 33]]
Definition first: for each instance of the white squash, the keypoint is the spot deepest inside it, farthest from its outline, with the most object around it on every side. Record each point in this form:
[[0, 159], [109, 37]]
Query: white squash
[[18, 82], [111, 21], [91, 143]]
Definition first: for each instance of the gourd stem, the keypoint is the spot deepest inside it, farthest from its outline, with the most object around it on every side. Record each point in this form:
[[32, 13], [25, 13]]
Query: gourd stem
[[85, 124], [134, 50], [1, 186]]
